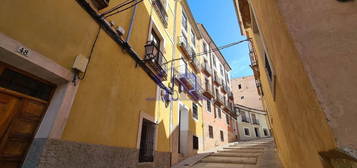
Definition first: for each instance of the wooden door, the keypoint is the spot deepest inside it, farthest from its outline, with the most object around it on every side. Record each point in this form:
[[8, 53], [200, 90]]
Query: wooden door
[[22, 107]]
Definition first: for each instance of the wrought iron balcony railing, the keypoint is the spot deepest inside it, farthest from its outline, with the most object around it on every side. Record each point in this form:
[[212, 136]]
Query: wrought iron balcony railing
[[186, 78], [245, 119], [256, 122], [196, 64], [160, 9], [208, 90], [190, 82], [156, 60], [219, 100], [216, 80], [224, 89], [186, 49], [230, 95], [206, 69]]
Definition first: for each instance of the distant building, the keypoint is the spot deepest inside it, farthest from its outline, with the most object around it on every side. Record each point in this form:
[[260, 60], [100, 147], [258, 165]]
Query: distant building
[[252, 119], [303, 53], [219, 119]]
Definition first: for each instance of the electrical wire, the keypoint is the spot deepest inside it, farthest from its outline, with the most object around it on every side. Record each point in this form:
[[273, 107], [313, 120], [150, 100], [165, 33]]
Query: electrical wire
[[91, 52], [123, 9], [207, 52], [117, 7]]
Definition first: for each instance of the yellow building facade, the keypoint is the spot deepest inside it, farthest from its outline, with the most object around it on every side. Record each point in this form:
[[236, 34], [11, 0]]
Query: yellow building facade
[[293, 59], [106, 85]]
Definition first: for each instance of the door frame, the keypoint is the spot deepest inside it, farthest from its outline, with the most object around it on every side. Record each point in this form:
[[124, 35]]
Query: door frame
[[38, 65]]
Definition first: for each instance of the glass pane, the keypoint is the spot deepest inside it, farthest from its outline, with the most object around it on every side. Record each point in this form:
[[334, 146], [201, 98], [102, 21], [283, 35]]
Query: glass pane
[[15, 81]]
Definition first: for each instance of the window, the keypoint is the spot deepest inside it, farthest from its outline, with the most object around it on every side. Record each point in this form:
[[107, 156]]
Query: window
[[215, 112], [204, 46], [214, 59], [208, 105], [195, 111], [18, 82], [155, 38], [266, 132], [193, 38], [184, 20], [239, 86], [219, 113], [184, 38], [222, 135], [242, 97], [146, 153], [244, 117], [227, 118], [221, 69], [246, 132], [268, 68], [195, 142], [210, 131]]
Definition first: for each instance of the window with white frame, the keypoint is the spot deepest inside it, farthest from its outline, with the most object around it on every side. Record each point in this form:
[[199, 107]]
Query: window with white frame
[[246, 132], [193, 37], [184, 21], [209, 105], [195, 111], [222, 135]]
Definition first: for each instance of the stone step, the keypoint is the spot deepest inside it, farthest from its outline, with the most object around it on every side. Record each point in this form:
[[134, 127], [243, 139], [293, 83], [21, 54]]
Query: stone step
[[222, 165], [240, 151], [226, 154], [234, 160], [246, 148]]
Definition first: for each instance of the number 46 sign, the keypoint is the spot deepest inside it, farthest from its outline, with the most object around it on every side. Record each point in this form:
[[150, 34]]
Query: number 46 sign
[[23, 51]]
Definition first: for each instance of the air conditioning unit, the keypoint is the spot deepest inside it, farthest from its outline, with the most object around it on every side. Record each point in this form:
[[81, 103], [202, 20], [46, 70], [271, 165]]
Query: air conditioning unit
[[101, 4]]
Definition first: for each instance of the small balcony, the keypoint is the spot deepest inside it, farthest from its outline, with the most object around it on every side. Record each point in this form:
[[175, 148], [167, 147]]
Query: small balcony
[[224, 89], [191, 83], [186, 49], [230, 95], [196, 92], [256, 122], [219, 100], [245, 119], [160, 9], [156, 60], [187, 79], [196, 64], [216, 80], [206, 69], [208, 90], [228, 107]]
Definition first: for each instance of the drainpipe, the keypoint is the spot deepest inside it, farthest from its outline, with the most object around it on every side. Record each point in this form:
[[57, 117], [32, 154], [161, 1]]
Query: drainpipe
[[131, 22]]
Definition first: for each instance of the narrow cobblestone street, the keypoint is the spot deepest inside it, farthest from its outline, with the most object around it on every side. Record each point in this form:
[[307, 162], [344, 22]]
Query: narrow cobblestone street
[[249, 154]]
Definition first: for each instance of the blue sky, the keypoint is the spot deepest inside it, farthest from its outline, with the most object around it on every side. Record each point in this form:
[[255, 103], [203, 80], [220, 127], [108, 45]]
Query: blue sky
[[220, 20]]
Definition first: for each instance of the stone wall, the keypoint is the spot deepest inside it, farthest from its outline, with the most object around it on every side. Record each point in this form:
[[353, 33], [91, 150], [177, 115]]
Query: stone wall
[[50, 153]]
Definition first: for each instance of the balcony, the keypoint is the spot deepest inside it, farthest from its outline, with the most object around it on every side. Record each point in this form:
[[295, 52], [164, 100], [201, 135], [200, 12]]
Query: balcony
[[206, 69], [196, 64], [230, 95], [187, 79], [244, 119], [190, 82], [196, 92], [156, 60], [219, 100], [208, 90], [224, 89], [216, 80], [228, 107], [186, 49], [256, 122], [160, 9]]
